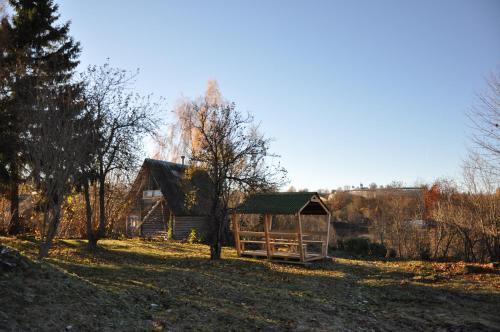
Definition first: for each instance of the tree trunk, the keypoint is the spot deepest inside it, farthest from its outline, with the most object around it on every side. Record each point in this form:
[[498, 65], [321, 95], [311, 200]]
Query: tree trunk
[[438, 237], [215, 243], [216, 246], [92, 242], [43, 250], [215, 251], [101, 229], [15, 226], [448, 244], [215, 231]]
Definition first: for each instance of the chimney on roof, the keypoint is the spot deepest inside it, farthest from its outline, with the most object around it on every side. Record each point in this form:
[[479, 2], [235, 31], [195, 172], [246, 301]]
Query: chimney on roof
[[182, 158]]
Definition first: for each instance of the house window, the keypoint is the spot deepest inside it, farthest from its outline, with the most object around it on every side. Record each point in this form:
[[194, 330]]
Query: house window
[[151, 193], [133, 221]]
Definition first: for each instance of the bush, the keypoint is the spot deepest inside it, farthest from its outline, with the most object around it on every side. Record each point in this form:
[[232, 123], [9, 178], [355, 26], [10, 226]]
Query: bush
[[357, 245], [377, 249], [340, 244], [363, 246], [194, 237], [425, 254], [27, 237], [170, 229], [391, 253]]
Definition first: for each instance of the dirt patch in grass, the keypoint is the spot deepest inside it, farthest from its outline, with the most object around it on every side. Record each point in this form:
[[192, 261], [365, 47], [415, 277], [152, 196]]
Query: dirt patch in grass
[[136, 285]]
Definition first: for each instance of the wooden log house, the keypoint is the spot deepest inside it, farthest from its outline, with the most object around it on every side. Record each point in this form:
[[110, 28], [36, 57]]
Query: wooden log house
[[282, 226], [164, 194]]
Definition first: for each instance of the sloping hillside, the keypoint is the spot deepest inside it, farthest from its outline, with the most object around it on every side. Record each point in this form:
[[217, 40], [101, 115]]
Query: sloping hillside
[[137, 285]]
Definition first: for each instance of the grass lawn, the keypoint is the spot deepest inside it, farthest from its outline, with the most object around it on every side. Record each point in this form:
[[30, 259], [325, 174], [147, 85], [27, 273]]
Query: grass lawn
[[141, 286]]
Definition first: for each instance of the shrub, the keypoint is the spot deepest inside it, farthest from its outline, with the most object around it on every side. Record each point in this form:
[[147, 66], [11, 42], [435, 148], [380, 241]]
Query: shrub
[[363, 246], [170, 229], [27, 237], [193, 236], [377, 249], [357, 245], [425, 254], [340, 244], [391, 253], [117, 236]]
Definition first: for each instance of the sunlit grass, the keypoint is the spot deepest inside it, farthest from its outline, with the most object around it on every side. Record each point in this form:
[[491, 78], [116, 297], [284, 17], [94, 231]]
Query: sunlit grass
[[144, 285]]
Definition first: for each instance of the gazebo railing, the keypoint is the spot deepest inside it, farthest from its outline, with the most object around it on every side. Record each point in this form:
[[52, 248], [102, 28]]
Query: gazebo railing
[[289, 226], [280, 244]]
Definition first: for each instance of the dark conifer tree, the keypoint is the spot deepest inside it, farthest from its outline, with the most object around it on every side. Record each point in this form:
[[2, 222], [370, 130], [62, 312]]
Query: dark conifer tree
[[37, 54]]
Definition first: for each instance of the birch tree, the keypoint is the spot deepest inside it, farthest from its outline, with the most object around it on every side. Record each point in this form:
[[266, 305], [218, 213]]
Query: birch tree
[[228, 145]]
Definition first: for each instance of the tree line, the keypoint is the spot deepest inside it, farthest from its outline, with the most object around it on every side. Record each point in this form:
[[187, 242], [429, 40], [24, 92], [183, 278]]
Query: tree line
[[449, 218], [440, 221]]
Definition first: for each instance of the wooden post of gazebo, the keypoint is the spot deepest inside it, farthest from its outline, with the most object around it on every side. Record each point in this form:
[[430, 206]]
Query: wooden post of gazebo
[[327, 236], [266, 233], [236, 231], [301, 249]]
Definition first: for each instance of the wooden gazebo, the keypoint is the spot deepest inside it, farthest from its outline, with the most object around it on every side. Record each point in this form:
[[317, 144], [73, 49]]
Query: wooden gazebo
[[282, 226]]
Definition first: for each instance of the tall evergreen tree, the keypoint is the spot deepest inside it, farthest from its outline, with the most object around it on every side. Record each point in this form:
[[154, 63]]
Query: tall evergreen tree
[[37, 54], [4, 75]]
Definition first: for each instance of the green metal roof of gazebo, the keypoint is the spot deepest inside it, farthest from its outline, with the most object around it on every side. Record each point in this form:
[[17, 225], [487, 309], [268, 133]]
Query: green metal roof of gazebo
[[282, 203]]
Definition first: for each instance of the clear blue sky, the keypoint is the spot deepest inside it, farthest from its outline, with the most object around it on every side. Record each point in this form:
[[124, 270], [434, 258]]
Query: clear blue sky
[[352, 91]]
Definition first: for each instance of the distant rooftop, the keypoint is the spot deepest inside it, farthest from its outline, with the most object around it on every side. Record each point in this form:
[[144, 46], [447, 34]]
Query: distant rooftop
[[375, 189]]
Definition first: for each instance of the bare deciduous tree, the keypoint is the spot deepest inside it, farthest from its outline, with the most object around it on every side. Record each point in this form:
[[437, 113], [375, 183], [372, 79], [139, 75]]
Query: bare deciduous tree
[[485, 119], [119, 120], [484, 200], [229, 147], [54, 154]]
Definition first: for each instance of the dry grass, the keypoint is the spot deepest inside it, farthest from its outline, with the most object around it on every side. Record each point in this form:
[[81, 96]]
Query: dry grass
[[136, 285]]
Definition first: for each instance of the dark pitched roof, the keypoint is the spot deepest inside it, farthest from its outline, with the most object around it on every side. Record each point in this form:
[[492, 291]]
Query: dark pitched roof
[[177, 189], [283, 203]]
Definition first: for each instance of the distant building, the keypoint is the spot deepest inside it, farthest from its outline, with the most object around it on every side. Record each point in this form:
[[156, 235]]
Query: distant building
[[377, 192]]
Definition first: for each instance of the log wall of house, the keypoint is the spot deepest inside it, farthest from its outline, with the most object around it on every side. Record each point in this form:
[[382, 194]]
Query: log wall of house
[[156, 223], [184, 224], [134, 215]]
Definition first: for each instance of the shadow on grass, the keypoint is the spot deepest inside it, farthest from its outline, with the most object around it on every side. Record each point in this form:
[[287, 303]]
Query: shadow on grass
[[190, 291]]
